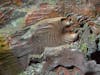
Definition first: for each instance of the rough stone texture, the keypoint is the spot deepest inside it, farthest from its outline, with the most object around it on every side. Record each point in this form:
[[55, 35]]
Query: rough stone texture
[[88, 7], [49, 33], [64, 57], [43, 12], [46, 33]]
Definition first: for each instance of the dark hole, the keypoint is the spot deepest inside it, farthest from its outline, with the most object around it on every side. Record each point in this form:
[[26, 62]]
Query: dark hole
[[34, 61], [96, 56], [68, 67], [97, 41], [2, 45], [70, 19], [63, 19], [81, 25], [91, 31], [89, 73]]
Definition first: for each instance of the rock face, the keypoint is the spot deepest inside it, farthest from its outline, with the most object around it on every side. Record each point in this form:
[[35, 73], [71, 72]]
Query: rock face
[[49, 33], [55, 56], [46, 33], [92, 68], [45, 11], [88, 7], [5, 13], [65, 58]]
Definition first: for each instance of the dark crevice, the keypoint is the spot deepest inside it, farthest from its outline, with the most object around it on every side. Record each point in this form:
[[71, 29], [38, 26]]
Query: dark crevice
[[97, 41], [90, 73], [96, 56], [68, 67], [34, 61]]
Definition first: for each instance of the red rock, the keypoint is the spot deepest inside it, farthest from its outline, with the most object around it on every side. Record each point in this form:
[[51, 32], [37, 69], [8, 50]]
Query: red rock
[[44, 12], [44, 5], [63, 70]]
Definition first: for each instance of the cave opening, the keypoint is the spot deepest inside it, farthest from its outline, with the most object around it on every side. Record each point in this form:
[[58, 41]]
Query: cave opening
[[96, 56]]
